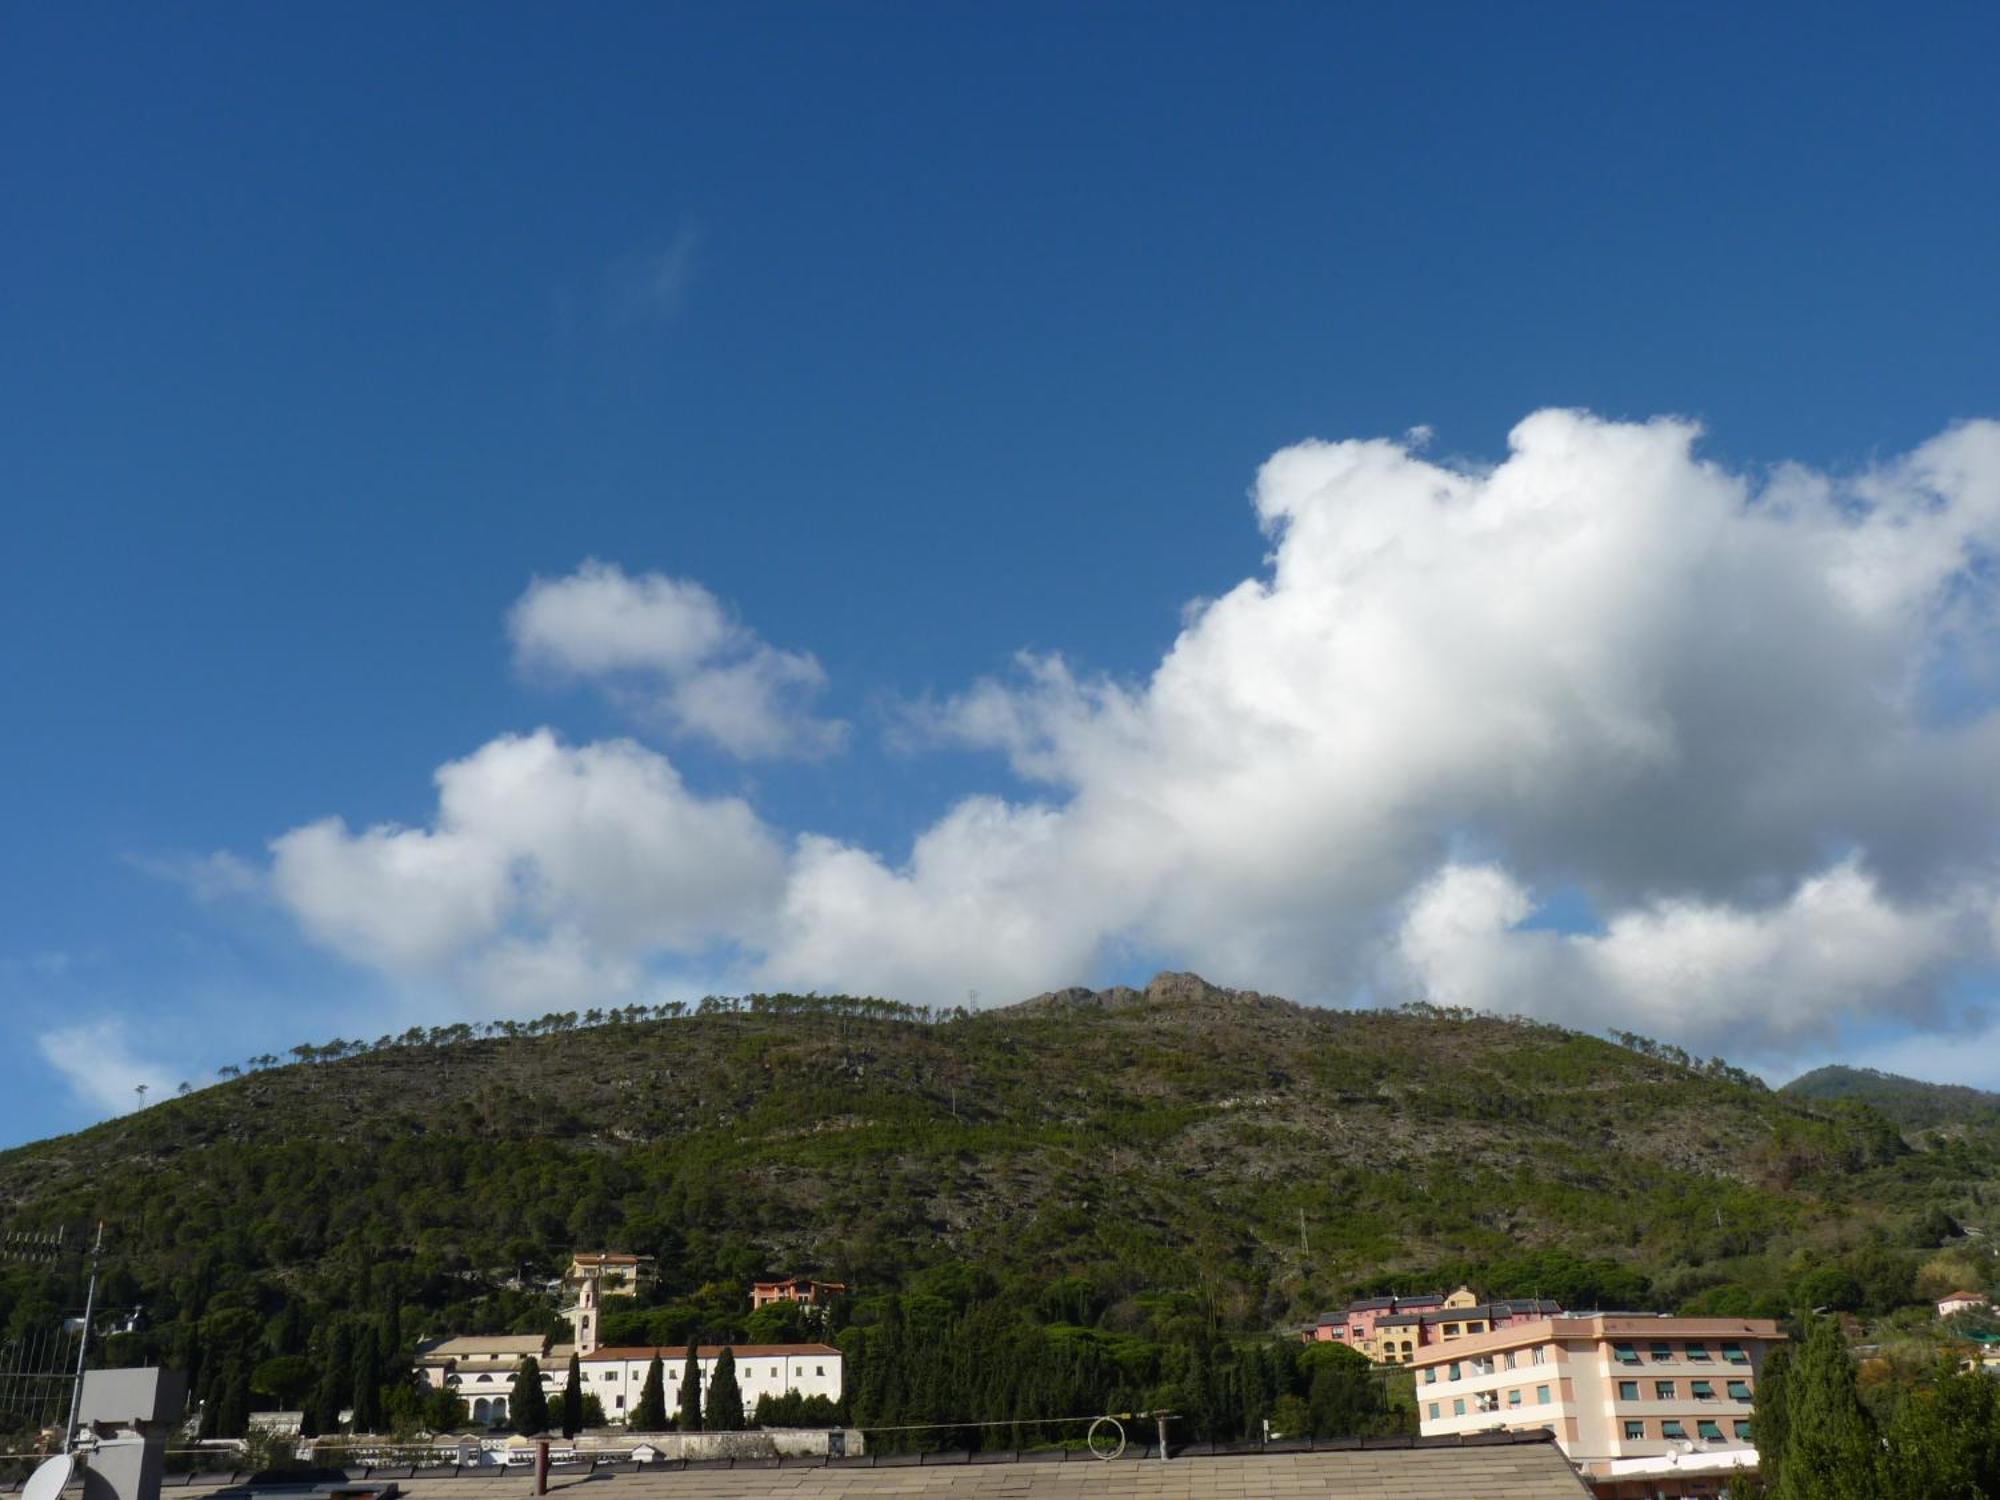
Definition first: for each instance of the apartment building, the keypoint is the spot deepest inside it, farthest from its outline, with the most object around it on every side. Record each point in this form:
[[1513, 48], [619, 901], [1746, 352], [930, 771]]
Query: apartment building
[[1642, 1404], [795, 1289], [1390, 1330], [617, 1377]]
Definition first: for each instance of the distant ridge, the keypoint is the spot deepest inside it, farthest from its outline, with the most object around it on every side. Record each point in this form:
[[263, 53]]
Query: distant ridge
[[1910, 1102]]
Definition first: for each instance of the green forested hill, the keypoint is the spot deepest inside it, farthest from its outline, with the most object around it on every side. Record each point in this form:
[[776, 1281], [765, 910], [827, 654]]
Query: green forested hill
[[1114, 1165], [1910, 1102]]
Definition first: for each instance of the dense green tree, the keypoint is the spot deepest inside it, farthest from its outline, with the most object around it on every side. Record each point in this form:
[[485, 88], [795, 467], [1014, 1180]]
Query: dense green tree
[[367, 1395], [572, 1399], [650, 1415], [593, 1411], [689, 1417], [285, 1378], [444, 1410], [724, 1411], [1831, 1449], [527, 1404], [233, 1411], [1344, 1397], [336, 1381], [1944, 1441], [1770, 1414]]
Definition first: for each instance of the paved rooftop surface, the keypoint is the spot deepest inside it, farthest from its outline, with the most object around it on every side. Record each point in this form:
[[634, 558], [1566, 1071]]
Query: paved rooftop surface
[[1488, 1470]]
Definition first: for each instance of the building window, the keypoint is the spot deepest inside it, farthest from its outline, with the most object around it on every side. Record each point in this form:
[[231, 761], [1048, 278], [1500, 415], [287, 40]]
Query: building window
[[1663, 1390], [618, 1403], [1634, 1431], [1742, 1432], [1451, 1330], [1514, 1397], [1452, 1373], [1628, 1390], [1541, 1395], [1672, 1429], [1507, 1360], [1709, 1432], [1739, 1390], [1701, 1390], [1663, 1354], [1541, 1357], [1734, 1354], [1458, 1407], [1475, 1327], [819, 1369], [1434, 1411], [1698, 1352], [1430, 1375], [1625, 1354]]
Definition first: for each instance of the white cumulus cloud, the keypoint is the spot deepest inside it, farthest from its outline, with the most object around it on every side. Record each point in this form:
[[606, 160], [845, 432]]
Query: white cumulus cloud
[[670, 651], [1747, 717], [548, 870]]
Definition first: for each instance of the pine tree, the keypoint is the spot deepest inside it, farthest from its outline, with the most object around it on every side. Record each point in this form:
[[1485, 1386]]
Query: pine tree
[[527, 1406], [651, 1414], [1831, 1450], [725, 1397], [572, 1399], [690, 1413]]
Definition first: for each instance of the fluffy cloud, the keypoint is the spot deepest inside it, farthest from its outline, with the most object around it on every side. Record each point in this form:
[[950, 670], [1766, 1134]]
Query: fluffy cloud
[[669, 651], [1778, 977], [549, 871], [1602, 663], [1749, 719]]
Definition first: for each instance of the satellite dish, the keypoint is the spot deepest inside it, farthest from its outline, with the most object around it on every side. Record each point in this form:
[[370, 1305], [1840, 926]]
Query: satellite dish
[[49, 1481]]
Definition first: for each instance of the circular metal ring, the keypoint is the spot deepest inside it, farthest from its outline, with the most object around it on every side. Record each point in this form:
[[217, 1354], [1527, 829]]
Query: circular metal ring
[[1106, 1452]]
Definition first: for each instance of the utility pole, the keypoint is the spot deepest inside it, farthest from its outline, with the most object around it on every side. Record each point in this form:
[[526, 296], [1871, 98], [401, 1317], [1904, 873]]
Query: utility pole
[[83, 1341]]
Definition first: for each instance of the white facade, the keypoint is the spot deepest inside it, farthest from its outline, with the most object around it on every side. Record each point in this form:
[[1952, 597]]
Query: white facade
[[1608, 1387], [617, 1377]]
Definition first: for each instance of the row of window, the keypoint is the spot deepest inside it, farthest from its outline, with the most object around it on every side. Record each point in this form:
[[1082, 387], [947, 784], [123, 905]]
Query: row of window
[[1490, 1401], [1486, 1364], [674, 1373], [1669, 1390], [1709, 1432], [1663, 1353]]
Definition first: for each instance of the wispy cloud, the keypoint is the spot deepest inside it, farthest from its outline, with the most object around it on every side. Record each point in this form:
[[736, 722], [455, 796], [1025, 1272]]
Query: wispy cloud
[[98, 1062], [653, 287]]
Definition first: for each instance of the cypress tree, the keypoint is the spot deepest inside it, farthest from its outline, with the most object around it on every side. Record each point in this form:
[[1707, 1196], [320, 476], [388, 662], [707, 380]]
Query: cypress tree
[[527, 1406], [368, 1382], [651, 1414], [1831, 1450], [690, 1414], [336, 1377], [572, 1399], [1770, 1415], [725, 1397], [234, 1418]]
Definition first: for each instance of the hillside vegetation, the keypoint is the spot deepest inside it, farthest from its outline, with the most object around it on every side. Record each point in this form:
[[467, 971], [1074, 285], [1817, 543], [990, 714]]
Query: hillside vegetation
[[1910, 1102], [1118, 1172]]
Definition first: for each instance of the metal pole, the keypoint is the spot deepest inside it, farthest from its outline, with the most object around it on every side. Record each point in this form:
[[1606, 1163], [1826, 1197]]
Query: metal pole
[[1163, 1436], [83, 1342]]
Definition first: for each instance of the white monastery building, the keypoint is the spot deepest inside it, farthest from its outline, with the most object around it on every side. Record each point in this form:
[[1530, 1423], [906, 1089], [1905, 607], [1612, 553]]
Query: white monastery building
[[618, 1376]]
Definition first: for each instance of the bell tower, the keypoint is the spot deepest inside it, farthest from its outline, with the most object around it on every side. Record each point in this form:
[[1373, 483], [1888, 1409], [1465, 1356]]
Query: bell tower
[[583, 1317]]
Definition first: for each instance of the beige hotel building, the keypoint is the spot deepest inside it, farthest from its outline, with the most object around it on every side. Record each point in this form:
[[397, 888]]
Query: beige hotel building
[[1643, 1405]]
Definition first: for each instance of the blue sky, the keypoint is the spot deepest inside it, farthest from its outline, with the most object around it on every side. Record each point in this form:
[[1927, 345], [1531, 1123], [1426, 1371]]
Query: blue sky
[[913, 338]]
